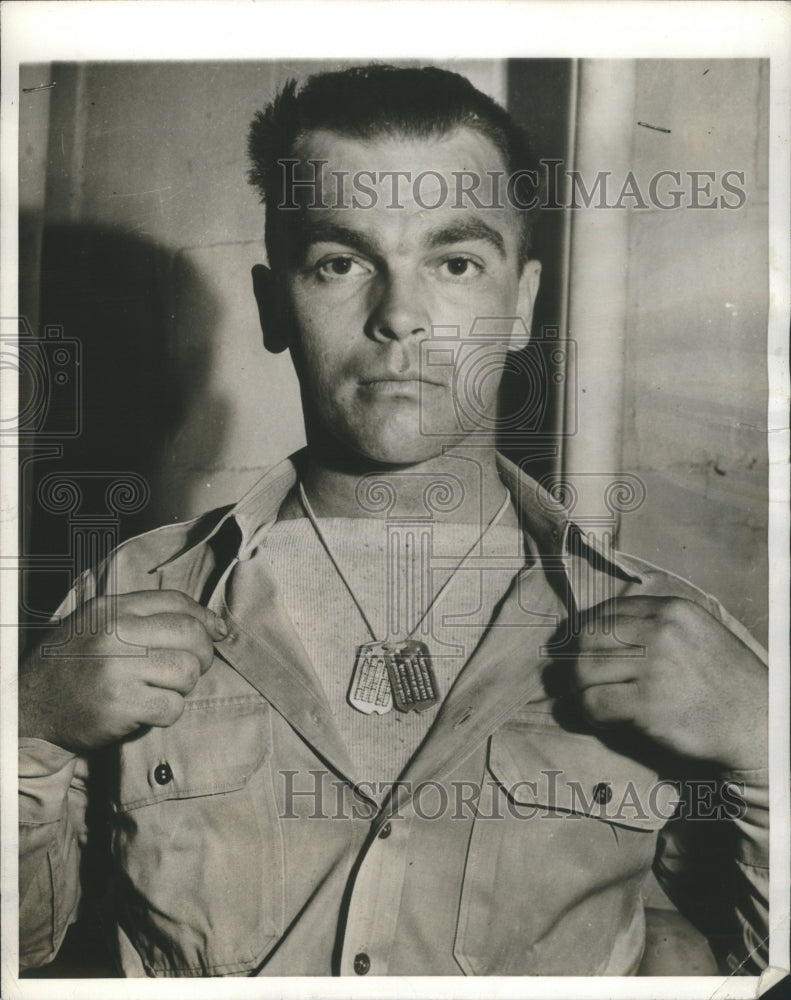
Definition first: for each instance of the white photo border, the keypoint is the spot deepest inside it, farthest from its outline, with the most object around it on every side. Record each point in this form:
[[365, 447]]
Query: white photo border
[[149, 30]]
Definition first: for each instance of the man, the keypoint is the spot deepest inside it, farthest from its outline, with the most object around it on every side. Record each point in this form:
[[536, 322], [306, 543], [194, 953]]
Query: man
[[391, 714]]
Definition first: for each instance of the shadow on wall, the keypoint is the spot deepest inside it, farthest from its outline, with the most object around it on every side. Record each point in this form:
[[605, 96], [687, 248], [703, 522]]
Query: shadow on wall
[[116, 295], [534, 380]]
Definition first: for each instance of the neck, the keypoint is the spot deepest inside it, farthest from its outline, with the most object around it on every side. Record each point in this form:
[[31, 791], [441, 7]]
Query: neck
[[462, 485]]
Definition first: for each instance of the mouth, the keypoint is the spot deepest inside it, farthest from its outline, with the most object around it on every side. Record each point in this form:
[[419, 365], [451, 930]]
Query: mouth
[[405, 386], [395, 380]]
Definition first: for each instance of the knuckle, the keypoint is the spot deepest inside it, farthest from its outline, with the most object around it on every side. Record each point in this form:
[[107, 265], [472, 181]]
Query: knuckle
[[167, 660], [601, 703], [164, 708], [175, 710], [126, 629], [207, 647], [177, 600], [106, 690], [187, 629], [676, 611], [578, 675], [201, 645], [590, 699], [190, 670]]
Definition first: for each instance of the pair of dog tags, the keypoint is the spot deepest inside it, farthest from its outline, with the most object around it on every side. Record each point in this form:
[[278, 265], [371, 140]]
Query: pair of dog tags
[[393, 673]]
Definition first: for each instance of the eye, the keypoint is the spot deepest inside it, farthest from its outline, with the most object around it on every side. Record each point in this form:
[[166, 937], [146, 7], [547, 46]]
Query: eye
[[341, 266], [460, 268]]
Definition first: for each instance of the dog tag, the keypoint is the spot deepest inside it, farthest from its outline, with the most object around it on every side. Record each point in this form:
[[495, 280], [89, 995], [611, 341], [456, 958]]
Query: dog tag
[[412, 679], [369, 691]]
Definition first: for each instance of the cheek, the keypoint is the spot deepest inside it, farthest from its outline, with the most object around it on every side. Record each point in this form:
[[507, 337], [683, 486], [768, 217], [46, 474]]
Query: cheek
[[478, 310], [477, 377], [317, 343], [326, 325]]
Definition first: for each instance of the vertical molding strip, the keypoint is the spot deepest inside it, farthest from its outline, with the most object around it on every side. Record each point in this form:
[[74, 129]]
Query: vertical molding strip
[[559, 417], [598, 283]]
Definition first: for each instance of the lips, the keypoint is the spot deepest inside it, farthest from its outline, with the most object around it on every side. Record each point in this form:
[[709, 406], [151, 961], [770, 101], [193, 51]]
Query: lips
[[395, 377]]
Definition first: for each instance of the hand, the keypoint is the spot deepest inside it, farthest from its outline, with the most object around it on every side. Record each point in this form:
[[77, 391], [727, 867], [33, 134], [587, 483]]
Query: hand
[[696, 689], [97, 688]]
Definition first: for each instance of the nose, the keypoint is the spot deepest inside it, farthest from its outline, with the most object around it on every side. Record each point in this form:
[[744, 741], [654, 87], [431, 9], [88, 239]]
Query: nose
[[398, 311]]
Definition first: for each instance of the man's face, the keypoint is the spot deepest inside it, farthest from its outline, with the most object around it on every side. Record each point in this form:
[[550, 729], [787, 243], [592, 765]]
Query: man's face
[[367, 286]]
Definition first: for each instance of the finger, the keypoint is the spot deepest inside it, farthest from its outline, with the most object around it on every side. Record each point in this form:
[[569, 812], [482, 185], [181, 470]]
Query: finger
[[610, 704], [153, 602], [171, 631], [160, 707], [174, 669], [611, 636], [645, 607], [638, 606], [604, 668]]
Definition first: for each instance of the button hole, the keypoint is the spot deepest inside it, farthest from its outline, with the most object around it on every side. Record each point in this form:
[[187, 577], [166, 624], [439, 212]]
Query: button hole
[[463, 719]]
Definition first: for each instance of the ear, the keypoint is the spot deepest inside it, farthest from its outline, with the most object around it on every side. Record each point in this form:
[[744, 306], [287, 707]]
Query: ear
[[271, 314], [526, 297]]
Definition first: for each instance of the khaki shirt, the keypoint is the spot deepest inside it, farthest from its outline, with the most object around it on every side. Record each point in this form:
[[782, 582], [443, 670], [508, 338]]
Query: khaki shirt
[[515, 842]]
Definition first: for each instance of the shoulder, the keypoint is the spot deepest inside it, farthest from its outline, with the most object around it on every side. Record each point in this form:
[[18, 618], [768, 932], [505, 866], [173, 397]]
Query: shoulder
[[657, 582]]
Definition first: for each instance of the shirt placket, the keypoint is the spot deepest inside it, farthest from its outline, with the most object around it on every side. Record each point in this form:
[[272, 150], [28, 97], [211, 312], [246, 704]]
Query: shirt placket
[[375, 901]]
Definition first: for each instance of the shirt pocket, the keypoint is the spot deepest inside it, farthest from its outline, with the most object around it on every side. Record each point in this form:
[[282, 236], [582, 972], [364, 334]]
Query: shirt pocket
[[197, 841], [564, 836]]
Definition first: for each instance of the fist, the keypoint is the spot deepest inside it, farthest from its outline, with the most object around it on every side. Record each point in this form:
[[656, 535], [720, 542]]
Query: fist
[[670, 670], [117, 664]]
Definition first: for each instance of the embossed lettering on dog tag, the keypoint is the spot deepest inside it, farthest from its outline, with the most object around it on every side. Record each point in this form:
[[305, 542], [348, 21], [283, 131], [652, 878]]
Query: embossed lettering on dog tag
[[369, 691], [412, 678]]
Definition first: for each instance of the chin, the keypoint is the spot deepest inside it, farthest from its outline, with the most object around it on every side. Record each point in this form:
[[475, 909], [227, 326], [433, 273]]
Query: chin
[[401, 452]]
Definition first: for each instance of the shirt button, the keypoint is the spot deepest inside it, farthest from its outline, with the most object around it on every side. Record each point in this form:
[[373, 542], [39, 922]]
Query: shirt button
[[602, 793], [385, 832], [362, 963], [163, 773]]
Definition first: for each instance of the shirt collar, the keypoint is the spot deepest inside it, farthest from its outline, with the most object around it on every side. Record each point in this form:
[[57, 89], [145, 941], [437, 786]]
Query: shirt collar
[[549, 523], [542, 516]]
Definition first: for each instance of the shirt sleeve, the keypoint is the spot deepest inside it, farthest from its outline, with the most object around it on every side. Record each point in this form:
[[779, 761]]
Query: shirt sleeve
[[715, 868], [751, 856], [52, 797], [52, 801]]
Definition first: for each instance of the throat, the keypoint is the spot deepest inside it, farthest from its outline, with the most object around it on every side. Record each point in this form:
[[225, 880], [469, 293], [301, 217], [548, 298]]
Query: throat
[[462, 487]]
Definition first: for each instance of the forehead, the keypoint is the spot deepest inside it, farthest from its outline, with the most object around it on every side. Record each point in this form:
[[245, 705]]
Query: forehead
[[406, 182], [456, 150]]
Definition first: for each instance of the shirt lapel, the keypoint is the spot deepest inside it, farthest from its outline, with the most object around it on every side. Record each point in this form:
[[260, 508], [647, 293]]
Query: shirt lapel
[[263, 646]]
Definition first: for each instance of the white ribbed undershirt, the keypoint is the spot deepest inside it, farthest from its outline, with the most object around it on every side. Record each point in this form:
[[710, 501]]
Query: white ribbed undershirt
[[331, 627]]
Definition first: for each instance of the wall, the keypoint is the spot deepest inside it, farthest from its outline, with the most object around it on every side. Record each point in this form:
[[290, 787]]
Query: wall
[[694, 424]]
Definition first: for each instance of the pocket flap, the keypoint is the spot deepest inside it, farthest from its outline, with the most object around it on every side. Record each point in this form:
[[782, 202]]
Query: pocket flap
[[215, 746], [546, 767]]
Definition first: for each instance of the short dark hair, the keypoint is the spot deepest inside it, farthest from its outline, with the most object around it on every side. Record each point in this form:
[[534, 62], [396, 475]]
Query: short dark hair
[[364, 102]]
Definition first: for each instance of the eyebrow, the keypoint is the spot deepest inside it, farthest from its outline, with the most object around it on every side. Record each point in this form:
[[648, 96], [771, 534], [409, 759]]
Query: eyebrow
[[460, 232], [333, 232], [471, 229]]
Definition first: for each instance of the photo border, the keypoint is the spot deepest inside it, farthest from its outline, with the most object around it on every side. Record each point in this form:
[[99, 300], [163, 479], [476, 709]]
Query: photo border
[[148, 30]]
